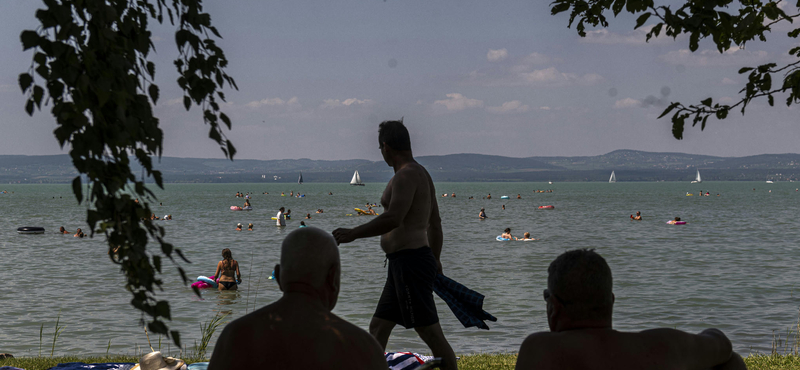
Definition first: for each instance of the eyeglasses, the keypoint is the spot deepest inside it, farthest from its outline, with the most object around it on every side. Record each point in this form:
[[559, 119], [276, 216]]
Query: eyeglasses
[[547, 295]]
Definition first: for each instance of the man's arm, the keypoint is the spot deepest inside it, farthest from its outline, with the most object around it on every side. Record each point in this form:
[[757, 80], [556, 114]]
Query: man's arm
[[435, 237], [404, 185], [532, 353], [221, 357], [705, 350]]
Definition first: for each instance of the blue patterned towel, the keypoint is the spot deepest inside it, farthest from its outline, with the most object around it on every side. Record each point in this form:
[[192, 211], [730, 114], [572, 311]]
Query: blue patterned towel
[[465, 303]]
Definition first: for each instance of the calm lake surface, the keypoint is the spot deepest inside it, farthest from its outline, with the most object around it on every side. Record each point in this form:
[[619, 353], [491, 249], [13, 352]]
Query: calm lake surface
[[733, 266]]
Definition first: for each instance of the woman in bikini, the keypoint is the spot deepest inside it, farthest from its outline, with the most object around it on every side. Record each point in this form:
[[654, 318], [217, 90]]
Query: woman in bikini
[[225, 271]]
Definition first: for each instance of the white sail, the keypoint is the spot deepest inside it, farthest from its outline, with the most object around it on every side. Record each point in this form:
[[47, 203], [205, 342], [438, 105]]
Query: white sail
[[697, 180], [356, 179], [300, 180], [613, 177]]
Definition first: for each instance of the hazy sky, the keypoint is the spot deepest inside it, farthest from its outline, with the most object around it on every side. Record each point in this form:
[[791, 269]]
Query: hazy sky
[[507, 78]]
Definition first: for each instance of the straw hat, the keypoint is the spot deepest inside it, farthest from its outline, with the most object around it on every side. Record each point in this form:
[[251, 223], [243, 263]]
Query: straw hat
[[155, 361]]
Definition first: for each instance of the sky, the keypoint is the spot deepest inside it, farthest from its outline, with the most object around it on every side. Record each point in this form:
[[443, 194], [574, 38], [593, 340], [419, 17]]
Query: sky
[[503, 78]]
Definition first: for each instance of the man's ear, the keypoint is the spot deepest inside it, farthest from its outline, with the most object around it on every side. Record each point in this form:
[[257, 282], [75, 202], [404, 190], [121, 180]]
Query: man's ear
[[332, 284], [278, 275]]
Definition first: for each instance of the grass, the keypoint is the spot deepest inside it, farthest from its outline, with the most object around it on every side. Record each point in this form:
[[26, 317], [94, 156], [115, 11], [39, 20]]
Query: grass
[[485, 361]]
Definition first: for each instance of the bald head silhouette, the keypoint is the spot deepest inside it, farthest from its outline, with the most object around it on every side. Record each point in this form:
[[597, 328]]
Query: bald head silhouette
[[299, 331], [310, 260]]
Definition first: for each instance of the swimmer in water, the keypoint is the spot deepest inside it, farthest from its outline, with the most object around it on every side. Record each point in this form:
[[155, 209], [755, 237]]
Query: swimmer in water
[[249, 227], [247, 202], [527, 236], [78, 234], [489, 196], [638, 216], [672, 222], [507, 234], [302, 224], [504, 207], [225, 271], [62, 230], [308, 216], [482, 214], [238, 227]]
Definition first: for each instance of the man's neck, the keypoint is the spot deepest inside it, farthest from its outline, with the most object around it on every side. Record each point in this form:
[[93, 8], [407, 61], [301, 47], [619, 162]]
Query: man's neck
[[401, 159], [583, 325], [305, 293]]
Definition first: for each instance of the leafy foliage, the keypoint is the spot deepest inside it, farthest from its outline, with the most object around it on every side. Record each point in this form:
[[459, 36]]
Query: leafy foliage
[[701, 19], [90, 61]]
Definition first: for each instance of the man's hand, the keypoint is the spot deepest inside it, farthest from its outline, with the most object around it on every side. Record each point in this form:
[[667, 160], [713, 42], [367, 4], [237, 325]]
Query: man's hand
[[343, 235]]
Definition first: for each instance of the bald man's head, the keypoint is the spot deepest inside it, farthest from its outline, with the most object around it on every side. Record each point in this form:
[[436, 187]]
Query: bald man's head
[[310, 256]]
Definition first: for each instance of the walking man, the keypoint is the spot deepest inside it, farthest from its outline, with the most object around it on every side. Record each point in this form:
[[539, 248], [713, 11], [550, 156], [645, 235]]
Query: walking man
[[411, 237]]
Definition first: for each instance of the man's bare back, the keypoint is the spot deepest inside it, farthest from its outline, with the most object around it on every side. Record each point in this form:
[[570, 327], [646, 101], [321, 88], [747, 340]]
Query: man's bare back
[[299, 331], [271, 338], [610, 349], [413, 182]]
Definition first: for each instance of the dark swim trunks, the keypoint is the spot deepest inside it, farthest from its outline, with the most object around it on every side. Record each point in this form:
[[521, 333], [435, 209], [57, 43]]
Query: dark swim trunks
[[228, 284], [407, 297]]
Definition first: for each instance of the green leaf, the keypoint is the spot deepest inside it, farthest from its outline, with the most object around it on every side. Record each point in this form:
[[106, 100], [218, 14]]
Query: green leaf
[[225, 119], [745, 70], [29, 39], [153, 90], [25, 81], [677, 126], [669, 109], [157, 327], [558, 8], [642, 19], [29, 107], [151, 70], [77, 189], [176, 336], [187, 102], [771, 100], [38, 94], [706, 102]]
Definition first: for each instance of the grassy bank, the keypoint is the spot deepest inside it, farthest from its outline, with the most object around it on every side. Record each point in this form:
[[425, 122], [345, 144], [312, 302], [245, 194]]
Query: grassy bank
[[467, 362]]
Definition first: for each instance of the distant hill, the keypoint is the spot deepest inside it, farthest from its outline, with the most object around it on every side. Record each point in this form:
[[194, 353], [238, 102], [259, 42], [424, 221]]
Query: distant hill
[[630, 165]]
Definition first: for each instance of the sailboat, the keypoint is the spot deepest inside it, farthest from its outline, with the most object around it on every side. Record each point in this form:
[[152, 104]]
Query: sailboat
[[697, 179], [613, 178], [356, 180], [300, 180]]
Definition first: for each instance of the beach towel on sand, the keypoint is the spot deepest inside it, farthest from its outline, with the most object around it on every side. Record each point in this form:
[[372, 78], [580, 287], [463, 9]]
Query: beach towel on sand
[[103, 366], [405, 360], [465, 303]]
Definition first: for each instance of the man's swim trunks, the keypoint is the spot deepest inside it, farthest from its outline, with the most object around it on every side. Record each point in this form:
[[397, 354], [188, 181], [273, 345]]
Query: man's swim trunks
[[407, 297]]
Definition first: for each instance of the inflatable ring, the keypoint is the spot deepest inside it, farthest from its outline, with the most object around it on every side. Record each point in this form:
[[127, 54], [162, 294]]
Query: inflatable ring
[[502, 239], [547, 207], [236, 208], [676, 222], [30, 230], [207, 281]]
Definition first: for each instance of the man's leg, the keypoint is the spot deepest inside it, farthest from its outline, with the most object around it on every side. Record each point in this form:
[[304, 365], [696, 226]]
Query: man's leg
[[434, 338], [381, 329]]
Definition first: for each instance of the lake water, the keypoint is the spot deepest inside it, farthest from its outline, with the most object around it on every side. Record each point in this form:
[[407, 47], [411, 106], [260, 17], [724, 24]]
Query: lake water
[[733, 266]]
